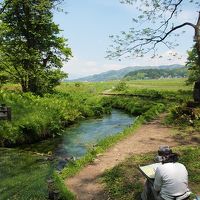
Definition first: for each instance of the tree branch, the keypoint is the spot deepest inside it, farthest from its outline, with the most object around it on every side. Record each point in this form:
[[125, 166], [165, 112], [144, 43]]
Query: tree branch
[[4, 7], [175, 28]]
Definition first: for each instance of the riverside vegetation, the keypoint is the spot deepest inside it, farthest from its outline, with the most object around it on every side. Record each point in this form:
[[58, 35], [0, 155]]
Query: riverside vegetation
[[36, 118]]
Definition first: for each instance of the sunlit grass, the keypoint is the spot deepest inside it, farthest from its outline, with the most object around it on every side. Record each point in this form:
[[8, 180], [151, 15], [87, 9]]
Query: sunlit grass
[[162, 84], [97, 87], [126, 182]]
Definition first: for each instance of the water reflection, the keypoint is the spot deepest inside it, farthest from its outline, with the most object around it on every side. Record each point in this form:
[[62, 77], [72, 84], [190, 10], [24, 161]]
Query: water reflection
[[77, 139]]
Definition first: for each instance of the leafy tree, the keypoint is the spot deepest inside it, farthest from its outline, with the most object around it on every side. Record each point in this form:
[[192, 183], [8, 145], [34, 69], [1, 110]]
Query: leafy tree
[[153, 27], [193, 66], [31, 48]]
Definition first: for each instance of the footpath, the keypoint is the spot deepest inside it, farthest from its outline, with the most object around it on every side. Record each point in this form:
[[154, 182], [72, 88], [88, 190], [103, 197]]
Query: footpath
[[86, 184]]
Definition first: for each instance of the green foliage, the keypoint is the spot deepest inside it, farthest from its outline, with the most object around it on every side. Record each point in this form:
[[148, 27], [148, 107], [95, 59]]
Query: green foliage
[[47, 80], [124, 181], [35, 118], [193, 63], [183, 116], [31, 50], [4, 78], [135, 106], [121, 86], [160, 94]]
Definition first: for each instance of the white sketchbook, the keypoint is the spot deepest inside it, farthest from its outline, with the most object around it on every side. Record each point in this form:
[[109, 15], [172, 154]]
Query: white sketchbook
[[149, 170]]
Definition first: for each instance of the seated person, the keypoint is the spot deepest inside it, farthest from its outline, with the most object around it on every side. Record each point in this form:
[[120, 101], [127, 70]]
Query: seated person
[[171, 180]]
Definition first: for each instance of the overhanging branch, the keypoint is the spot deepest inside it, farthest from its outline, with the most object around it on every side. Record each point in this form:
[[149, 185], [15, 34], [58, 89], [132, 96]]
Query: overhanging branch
[[175, 28], [4, 6]]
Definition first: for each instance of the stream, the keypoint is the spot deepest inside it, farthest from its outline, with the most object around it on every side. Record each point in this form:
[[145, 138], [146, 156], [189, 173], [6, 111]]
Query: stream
[[77, 139]]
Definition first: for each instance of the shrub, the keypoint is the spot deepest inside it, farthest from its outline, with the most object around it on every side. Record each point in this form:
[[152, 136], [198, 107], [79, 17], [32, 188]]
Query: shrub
[[35, 118], [184, 116], [121, 86]]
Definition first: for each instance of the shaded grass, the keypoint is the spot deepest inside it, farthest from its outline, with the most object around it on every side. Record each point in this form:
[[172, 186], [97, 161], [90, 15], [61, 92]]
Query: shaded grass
[[126, 182], [64, 193], [23, 175]]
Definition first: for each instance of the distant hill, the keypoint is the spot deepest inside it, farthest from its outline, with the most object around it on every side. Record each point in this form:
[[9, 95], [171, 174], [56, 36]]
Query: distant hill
[[157, 73], [119, 74]]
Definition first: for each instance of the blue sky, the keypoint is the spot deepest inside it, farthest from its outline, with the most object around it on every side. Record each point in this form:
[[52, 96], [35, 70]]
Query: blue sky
[[88, 25]]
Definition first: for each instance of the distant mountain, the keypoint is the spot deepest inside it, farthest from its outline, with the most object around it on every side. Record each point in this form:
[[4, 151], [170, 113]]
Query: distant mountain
[[144, 74], [119, 74]]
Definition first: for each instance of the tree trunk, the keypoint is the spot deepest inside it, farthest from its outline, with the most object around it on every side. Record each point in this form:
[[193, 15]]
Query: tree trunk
[[196, 90], [24, 86], [32, 85]]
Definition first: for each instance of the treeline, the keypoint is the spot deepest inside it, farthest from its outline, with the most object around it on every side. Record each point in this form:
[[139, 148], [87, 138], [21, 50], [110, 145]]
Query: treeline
[[157, 74]]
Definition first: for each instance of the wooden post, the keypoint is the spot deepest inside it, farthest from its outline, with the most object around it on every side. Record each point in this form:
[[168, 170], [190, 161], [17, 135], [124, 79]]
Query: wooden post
[[9, 113], [50, 189], [196, 92], [5, 112]]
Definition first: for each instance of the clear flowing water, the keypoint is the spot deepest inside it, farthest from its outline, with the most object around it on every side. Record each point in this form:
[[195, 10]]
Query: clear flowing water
[[79, 138]]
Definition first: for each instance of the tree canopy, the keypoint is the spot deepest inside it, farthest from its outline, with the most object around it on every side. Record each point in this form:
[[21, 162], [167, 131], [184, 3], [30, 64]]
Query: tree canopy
[[193, 66], [32, 51], [155, 23]]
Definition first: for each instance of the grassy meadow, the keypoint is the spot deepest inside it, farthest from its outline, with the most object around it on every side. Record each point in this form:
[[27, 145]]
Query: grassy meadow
[[161, 85], [35, 118]]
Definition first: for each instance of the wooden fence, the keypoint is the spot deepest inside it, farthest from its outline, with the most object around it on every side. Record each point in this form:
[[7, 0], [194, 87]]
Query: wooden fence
[[5, 112]]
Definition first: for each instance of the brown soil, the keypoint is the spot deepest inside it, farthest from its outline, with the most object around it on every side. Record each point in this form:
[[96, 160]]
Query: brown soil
[[86, 184]]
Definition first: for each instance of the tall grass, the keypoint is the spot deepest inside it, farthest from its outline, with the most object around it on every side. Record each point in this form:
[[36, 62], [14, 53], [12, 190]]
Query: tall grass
[[35, 118]]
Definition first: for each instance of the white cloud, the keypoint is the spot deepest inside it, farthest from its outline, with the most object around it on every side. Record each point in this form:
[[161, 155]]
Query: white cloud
[[79, 68], [165, 58], [90, 63]]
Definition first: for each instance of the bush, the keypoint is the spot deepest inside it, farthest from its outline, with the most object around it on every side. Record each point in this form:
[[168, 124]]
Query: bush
[[121, 86], [35, 118], [183, 115]]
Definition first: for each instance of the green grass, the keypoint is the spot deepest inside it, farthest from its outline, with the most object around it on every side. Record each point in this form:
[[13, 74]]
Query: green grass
[[86, 87], [97, 87], [23, 175], [162, 84], [125, 182]]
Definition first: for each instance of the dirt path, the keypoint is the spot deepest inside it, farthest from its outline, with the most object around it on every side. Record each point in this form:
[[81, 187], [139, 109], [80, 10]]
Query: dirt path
[[149, 137]]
